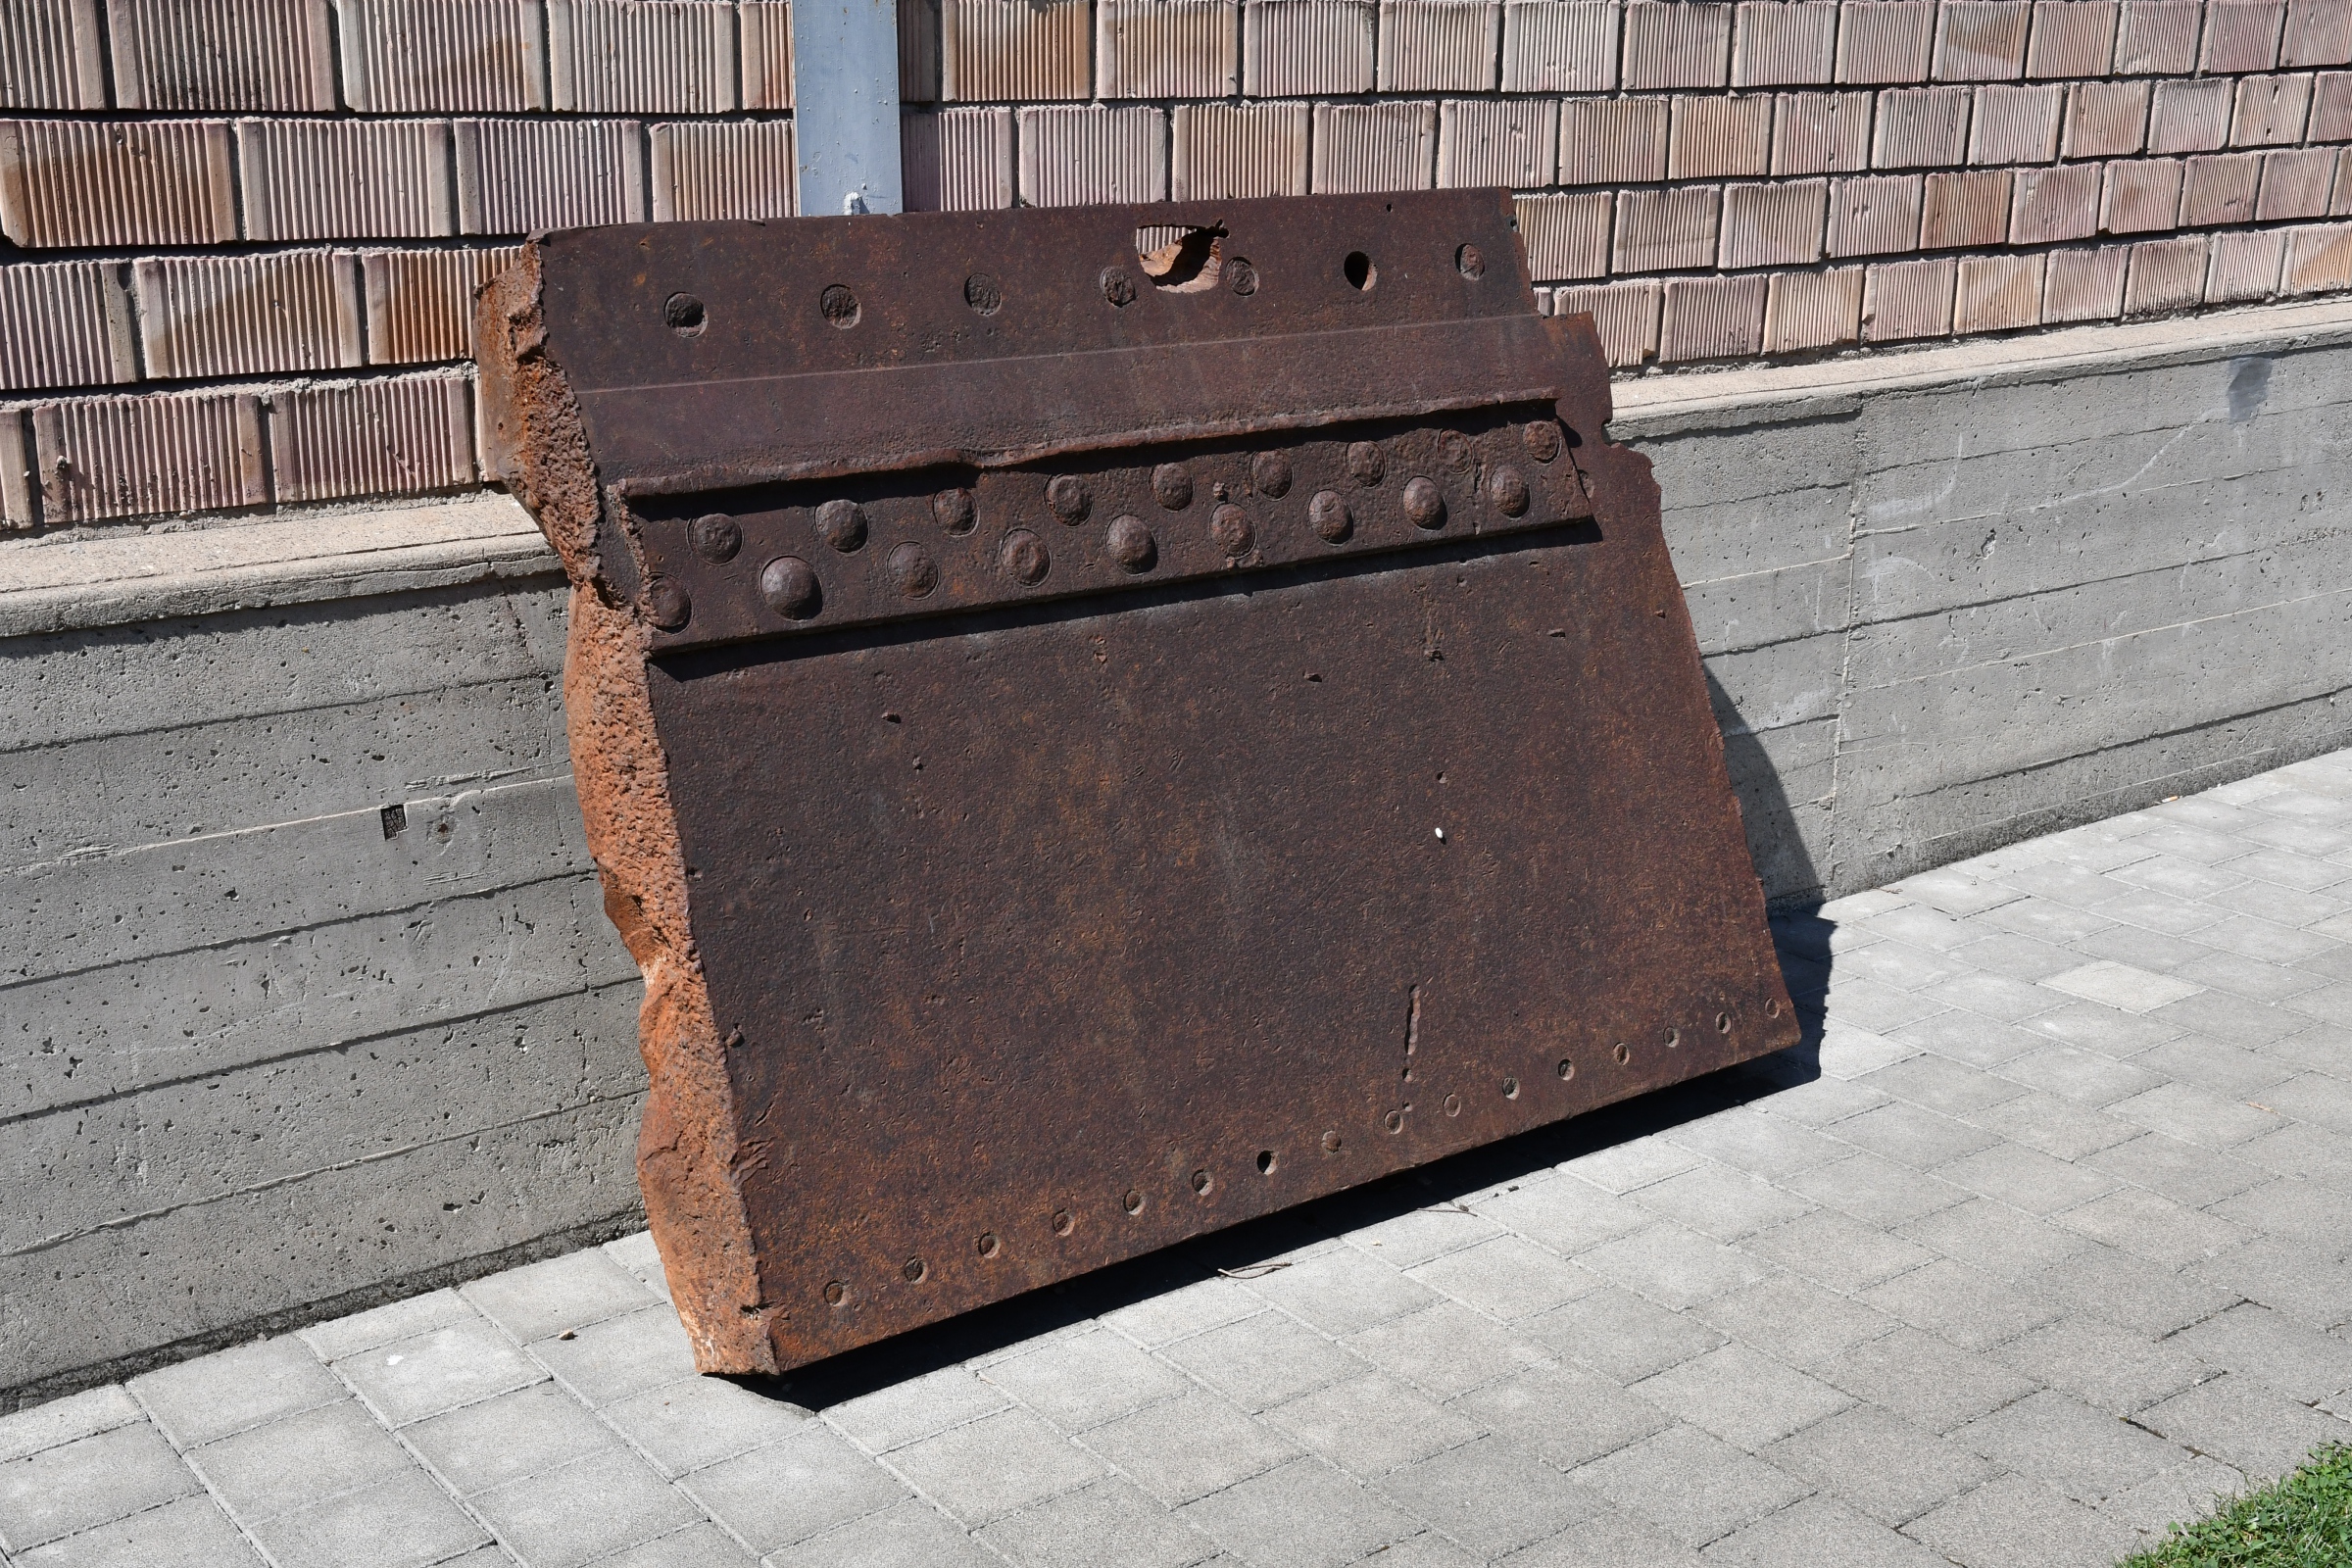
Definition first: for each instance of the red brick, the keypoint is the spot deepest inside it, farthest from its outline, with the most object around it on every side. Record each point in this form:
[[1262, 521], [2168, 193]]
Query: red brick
[[1439, 45], [1997, 294], [2055, 203], [2016, 124], [2245, 266], [2317, 259], [1676, 43], [1612, 141], [1884, 42], [66, 323], [1166, 48], [1498, 141], [1875, 215], [1813, 310], [380, 179], [1903, 300], [2142, 196], [1774, 226], [1073, 157], [1983, 40], [612, 56], [720, 168], [1821, 133], [2084, 285], [1784, 43], [958, 160], [1367, 147], [2241, 36], [1966, 211], [129, 457], [2220, 189], [2270, 110], [1666, 230], [2340, 204], [2166, 274], [516, 175], [2331, 107], [2105, 119], [764, 61], [1711, 319], [2190, 116], [1238, 150], [1567, 237], [1625, 315], [401, 435], [1714, 137], [1924, 127], [1559, 45], [2319, 32], [2159, 37], [997, 50], [423, 57], [2294, 184], [142, 183], [2072, 38], [53, 57], [276, 56], [1296, 48]]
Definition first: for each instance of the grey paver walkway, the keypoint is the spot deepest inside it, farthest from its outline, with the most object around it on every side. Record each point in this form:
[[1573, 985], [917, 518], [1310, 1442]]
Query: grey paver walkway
[[2042, 1245]]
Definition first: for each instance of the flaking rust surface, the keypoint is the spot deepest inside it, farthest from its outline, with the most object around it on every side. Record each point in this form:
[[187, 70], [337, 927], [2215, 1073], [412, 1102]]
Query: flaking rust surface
[[1082, 762]]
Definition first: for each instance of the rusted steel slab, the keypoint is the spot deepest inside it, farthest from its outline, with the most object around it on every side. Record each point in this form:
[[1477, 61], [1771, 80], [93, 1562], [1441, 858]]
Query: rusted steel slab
[[1089, 747]]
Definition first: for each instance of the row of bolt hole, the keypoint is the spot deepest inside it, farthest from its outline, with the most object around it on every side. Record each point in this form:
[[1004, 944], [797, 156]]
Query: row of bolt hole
[[915, 1270]]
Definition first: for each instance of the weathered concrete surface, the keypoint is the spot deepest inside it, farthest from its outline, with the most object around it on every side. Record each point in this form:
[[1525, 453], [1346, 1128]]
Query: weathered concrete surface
[[260, 1059]]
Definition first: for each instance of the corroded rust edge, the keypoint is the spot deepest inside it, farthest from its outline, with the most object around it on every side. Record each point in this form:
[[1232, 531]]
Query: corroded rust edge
[[686, 1148]]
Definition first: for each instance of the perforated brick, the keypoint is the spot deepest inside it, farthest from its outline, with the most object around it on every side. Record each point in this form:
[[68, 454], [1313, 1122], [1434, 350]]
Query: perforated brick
[[1965, 210], [1997, 293], [1821, 133], [217, 315], [1711, 319], [2331, 107], [720, 169], [1922, 128], [52, 55], [1439, 45], [20, 493], [517, 175], [2072, 38], [407, 57], [2340, 204], [1982, 40], [1676, 43], [1884, 42], [1567, 237], [2317, 259], [995, 50], [764, 33], [1364, 147], [958, 160], [2244, 266], [1813, 310], [2296, 184], [2142, 197], [1241, 150], [2015, 124], [150, 455], [2220, 189], [1489, 141], [177, 56], [2189, 117], [2049, 204], [1069, 157], [65, 324], [2270, 110], [2159, 37], [641, 57], [2241, 36], [402, 436], [1665, 230], [2319, 32], [1906, 300], [1612, 141], [1714, 137], [2084, 285], [1166, 48], [1875, 215], [1624, 315], [2105, 119], [345, 179], [420, 304], [2165, 275], [1784, 43], [1779, 224], [1559, 45], [91, 183], [1295, 47]]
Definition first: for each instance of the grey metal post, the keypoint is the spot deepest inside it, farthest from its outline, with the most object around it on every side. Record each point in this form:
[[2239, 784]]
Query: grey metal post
[[845, 105]]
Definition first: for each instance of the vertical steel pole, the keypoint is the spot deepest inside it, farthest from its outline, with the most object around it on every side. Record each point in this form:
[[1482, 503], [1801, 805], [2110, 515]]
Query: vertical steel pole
[[845, 105]]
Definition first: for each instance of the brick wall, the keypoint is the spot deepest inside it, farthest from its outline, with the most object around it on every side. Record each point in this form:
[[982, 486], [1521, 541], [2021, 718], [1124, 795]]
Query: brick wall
[[244, 230]]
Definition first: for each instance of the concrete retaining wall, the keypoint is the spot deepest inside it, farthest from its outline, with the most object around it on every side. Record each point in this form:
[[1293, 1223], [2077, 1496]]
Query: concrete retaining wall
[[272, 1052]]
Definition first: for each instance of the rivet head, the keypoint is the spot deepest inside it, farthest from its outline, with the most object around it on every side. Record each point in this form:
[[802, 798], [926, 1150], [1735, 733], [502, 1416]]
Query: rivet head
[[1543, 440], [842, 524], [835, 1293], [1061, 1222], [983, 293], [1024, 556], [1241, 277], [1330, 1143], [1424, 505], [1365, 464], [1327, 515], [1471, 262], [952, 511], [914, 1269], [1454, 1104], [1119, 287], [1132, 1202], [1172, 486], [789, 585], [1506, 487], [1068, 498], [1230, 527], [716, 537], [837, 306], [683, 315], [666, 604], [1270, 475], [913, 571], [1454, 450], [1130, 544]]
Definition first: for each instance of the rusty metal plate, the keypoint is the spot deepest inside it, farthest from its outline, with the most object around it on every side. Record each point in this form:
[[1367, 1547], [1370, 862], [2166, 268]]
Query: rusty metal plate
[[1091, 745]]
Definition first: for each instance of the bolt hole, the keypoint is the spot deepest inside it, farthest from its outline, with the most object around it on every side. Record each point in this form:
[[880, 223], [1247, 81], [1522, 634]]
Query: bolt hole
[[1623, 1053], [1133, 1203], [1510, 1089], [1723, 1023], [1202, 1181], [987, 1244], [916, 1271], [1266, 1162], [1566, 1069], [1394, 1121], [1180, 257], [1772, 1009], [839, 305], [836, 1292], [1454, 1104], [1359, 272], [683, 315], [1674, 1037], [1062, 1222], [1470, 263]]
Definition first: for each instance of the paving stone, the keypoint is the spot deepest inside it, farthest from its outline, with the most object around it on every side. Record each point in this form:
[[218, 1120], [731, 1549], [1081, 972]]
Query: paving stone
[[1625, 1167], [438, 1370], [1490, 1496], [509, 1437], [2162, 912], [1083, 1379], [693, 1422], [1869, 1004], [2292, 1207], [2250, 978], [2287, 1276], [1609, 1539], [2016, 958], [992, 1466], [1912, 1136], [1920, 925], [2226, 1069], [1821, 1100], [1751, 1140], [698, 1545], [1847, 1051], [1671, 1265], [1796, 1320], [2054, 1126], [1428, 1549], [589, 1509], [2155, 1226], [402, 1522], [2096, 1027], [1372, 1424], [1742, 1395], [2219, 1015], [1108, 1522], [2107, 1366], [1876, 1190], [1445, 1350], [2027, 1179], [788, 1492], [1695, 1486], [2183, 1492], [2321, 1048], [189, 1532], [89, 1481], [2185, 1172], [1994, 1237], [1966, 1305], [1424, 1234], [1341, 1289], [1719, 1202], [911, 1535], [1894, 963], [570, 1292], [2243, 1422], [1563, 1414], [1568, 1216], [2090, 1077], [1619, 1334], [2171, 873], [1925, 1379], [1264, 1361], [299, 1460], [2262, 938], [2255, 1341], [893, 1417], [1506, 1278], [620, 1355], [1185, 1311], [1838, 1251], [2126, 987], [1191, 1447], [215, 1395], [2067, 1446], [1953, 889], [1820, 1533], [1879, 1463], [65, 1420], [2009, 1521], [399, 1320], [2314, 1098], [1303, 1515]]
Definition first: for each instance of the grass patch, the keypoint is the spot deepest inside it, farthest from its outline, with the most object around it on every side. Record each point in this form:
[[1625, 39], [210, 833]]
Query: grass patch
[[2303, 1520]]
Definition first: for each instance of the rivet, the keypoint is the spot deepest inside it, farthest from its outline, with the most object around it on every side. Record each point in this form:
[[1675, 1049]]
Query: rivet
[[1365, 464], [1066, 497], [986, 1243], [983, 293], [717, 537], [842, 524], [1172, 486], [1772, 1009], [1566, 1069], [1241, 277], [1202, 1181], [1723, 1023], [789, 585], [835, 1293], [914, 1270], [952, 511], [913, 571], [1327, 514], [1266, 1162], [1130, 544], [1506, 487], [1330, 1143], [1454, 450], [1119, 287], [1543, 440], [666, 604], [683, 315], [1471, 263], [1270, 473], [1062, 1222], [1454, 1104], [1230, 527], [839, 306], [1394, 1121], [1510, 1089], [1424, 505], [1622, 1052], [1024, 556], [1133, 1202]]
